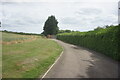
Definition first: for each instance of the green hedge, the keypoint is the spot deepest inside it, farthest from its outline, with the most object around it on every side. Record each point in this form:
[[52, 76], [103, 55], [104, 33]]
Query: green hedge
[[103, 40]]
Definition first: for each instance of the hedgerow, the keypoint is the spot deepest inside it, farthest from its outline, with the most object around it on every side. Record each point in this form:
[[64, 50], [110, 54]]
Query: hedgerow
[[104, 40]]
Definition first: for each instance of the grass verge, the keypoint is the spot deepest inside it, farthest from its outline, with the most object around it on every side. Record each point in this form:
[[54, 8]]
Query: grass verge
[[28, 59]]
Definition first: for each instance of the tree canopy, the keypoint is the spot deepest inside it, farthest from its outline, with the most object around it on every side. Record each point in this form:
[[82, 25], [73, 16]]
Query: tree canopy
[[65, 31], [50, 26]]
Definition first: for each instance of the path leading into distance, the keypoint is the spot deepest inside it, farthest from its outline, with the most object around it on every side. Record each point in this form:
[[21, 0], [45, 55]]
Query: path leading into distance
[[78, 62]]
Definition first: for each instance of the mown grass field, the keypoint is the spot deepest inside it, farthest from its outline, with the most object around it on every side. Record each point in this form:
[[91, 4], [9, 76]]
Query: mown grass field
[[27, 56]]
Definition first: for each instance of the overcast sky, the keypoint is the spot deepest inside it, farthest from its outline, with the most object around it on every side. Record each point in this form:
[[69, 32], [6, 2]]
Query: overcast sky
[[82, 15]]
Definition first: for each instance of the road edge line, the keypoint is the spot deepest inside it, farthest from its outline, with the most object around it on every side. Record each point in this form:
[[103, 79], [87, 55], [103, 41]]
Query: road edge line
[[52, 65]]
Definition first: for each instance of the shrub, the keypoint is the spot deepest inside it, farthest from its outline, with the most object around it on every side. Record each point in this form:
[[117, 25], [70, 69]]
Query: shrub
[[103, 40]]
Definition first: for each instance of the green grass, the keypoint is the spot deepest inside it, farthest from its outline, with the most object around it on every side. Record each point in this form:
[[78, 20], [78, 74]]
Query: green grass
[[28, 59]]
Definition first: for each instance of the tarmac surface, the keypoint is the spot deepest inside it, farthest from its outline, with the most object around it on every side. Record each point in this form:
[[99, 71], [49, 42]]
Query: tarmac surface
[[79, 62]]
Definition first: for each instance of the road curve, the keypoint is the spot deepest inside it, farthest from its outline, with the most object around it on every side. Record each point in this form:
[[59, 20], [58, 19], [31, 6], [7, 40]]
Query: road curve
[[78, 62]]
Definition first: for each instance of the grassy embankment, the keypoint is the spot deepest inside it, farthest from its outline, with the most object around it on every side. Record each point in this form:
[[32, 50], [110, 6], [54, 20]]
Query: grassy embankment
[[105, 40], [27, 56]]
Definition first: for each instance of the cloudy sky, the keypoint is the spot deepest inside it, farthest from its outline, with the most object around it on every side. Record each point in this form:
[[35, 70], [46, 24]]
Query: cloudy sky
[[81, 15]]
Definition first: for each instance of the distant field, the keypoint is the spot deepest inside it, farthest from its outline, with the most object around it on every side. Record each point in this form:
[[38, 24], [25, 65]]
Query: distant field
[[13, 37], [27, 56]]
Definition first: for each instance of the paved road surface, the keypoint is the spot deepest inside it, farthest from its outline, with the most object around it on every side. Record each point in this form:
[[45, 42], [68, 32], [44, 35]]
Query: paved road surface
[[78, 62]]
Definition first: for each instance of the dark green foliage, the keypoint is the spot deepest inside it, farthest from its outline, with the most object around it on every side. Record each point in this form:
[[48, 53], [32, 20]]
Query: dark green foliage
[[22, 33], [50, 27], [103, 40], [118, 40], [64, 31]]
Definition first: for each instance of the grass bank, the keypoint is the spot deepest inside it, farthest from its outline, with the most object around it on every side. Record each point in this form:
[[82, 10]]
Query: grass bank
[[27, 56]]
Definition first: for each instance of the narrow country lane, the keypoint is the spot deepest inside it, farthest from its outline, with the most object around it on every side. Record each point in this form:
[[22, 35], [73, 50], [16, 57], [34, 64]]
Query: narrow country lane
[[78, 62]]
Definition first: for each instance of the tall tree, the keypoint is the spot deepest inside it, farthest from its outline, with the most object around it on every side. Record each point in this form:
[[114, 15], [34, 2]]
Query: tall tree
[[50, 26]]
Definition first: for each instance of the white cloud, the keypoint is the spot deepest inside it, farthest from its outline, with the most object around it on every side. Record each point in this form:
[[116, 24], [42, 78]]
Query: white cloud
[[119, 13], [83, 16], [59, 0], [89, 11]]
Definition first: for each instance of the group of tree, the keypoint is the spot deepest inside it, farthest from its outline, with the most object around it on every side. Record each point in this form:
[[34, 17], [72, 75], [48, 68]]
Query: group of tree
[[21, 33], [64, 31], [51, 27], [106, 26]]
